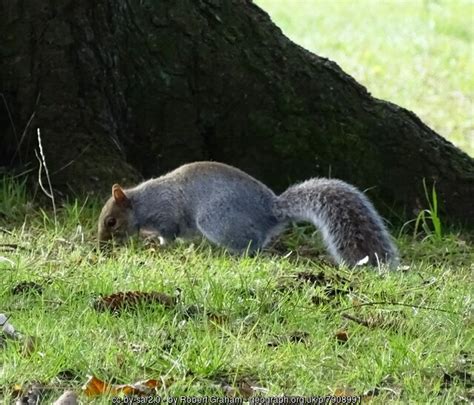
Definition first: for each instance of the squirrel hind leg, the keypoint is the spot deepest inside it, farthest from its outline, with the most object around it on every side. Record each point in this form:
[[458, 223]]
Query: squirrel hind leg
[[235, 241], [239, 236]]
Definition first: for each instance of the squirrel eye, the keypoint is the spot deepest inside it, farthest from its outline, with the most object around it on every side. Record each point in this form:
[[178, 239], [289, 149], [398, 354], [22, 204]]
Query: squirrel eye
[[110, 222]]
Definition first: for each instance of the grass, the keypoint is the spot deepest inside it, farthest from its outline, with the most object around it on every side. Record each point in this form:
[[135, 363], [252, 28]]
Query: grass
[[255, 321], [239, 321], [418, 54]]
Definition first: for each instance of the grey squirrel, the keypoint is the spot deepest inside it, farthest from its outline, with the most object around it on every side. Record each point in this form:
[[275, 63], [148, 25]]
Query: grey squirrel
[[232, 209]]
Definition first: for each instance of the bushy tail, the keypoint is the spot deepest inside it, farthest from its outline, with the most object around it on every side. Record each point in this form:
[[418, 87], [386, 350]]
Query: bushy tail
[[351, 228]]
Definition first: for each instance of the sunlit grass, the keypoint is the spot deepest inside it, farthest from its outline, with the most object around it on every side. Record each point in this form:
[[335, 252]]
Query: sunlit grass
[[238, 320], [418, 54]]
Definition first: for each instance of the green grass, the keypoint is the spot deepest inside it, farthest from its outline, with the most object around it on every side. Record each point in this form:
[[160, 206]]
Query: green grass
[[237, 319], [253, 319], [418, 54]]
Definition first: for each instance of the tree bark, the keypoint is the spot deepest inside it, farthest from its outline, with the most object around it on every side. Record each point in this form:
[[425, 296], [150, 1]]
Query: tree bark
[[124, 89]]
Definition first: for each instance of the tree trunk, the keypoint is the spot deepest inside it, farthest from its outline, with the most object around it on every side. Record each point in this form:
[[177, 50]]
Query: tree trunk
[[124, 89]]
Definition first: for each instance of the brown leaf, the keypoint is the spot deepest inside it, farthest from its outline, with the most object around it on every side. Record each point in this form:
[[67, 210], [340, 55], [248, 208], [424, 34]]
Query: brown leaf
[[94, 387], [342, 336], [344, 392], [123, 300], [245, 389], [357, 320]]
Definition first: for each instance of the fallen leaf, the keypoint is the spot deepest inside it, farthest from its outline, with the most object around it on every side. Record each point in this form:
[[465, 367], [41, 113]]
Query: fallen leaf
[[125, 300], [342, 336], [245, 389], [94, 387], [344, 392], [356, 319], [67, 398]]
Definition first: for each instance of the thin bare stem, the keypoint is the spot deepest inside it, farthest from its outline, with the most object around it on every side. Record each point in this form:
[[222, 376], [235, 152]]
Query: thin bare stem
[[42, 163]]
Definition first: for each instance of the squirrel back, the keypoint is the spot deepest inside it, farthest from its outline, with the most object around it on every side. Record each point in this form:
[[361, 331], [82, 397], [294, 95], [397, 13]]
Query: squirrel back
[[234, 210], [226, 205]]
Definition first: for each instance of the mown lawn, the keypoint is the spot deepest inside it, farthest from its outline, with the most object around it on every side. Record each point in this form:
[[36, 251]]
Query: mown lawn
[[284, 322], [416, 53], [276, 322]]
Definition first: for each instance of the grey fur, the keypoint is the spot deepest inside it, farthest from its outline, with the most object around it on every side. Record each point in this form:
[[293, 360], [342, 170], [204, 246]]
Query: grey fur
[[234, 210], [350, 226]]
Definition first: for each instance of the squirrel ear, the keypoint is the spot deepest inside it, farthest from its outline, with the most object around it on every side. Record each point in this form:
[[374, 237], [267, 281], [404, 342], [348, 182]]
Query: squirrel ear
[[119, 196]]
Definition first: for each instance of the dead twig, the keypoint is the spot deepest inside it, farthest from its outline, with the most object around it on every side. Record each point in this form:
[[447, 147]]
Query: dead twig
[[42, 163], [357, 320]]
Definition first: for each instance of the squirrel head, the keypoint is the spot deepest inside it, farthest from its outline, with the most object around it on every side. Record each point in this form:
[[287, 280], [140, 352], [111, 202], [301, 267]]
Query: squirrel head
[[116, 218]]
